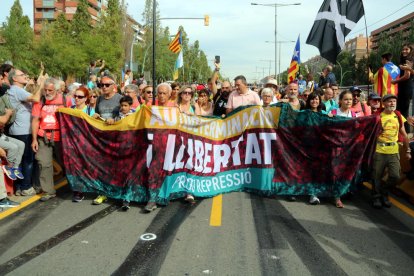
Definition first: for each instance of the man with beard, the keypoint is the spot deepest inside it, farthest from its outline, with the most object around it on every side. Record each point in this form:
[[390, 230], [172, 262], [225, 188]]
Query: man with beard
[[292, 91], [387, 152], [360, 109], [46, 134], [219, 97]]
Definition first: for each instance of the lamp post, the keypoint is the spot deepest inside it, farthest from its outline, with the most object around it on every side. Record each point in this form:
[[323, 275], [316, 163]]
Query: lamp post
[[275, 5], [280, 50]]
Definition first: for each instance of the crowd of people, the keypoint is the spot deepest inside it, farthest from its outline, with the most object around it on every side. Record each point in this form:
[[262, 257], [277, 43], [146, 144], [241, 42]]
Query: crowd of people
[[30, 139]]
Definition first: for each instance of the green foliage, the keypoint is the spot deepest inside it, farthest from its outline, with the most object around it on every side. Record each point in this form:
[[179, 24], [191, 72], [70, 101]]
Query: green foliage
[[18, 35], [81, 22]]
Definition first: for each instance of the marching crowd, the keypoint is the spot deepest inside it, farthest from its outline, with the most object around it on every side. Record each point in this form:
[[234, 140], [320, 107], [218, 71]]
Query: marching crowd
[[30, 136]]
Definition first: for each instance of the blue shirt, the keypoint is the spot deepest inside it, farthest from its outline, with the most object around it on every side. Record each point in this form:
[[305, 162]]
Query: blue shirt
[[23, 109]]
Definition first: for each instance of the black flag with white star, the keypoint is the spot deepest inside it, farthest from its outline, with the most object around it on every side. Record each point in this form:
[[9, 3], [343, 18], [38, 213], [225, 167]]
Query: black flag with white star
[[334, 21]]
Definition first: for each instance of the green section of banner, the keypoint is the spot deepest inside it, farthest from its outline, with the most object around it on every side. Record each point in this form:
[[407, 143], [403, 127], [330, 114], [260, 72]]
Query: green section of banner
[[224, 182]]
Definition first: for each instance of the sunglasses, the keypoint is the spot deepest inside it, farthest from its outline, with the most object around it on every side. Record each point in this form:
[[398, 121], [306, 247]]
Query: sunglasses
[[148, 92], [187, 93], [94, 96], [356, 94], [79, 97], [106, 84]]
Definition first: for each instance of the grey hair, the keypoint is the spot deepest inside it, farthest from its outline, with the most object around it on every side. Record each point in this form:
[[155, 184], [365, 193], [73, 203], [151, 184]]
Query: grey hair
[[12, 74], [166, 84], [267, 91], [132, 87], [55, 82]]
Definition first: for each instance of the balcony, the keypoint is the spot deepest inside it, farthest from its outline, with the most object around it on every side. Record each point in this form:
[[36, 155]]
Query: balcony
[[49, 15]]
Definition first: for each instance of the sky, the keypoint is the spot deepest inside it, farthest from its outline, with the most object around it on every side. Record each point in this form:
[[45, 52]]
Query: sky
[[238, 31]]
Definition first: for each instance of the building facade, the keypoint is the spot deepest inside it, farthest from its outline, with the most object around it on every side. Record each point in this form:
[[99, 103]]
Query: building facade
[[48, 10], [357, 46], [400, 26]]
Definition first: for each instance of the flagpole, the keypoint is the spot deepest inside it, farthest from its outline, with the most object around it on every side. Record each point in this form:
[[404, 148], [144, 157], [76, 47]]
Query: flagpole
[[366, 33], [154, 31]]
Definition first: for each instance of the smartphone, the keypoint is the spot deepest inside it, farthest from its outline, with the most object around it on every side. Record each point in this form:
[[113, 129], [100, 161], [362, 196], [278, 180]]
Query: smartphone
[[217, 59]]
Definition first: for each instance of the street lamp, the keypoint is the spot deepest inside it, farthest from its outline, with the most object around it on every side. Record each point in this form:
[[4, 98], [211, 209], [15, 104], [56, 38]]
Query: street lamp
[[275, 5], [280, 50]]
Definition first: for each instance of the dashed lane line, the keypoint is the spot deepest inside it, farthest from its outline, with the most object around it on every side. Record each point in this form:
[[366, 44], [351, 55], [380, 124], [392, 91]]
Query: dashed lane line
[[216, 211]]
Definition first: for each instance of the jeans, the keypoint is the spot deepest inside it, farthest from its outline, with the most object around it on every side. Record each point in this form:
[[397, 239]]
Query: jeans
[[26, 163]]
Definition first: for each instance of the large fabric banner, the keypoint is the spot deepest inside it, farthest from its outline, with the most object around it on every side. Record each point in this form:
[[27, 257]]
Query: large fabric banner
[[160, 154]]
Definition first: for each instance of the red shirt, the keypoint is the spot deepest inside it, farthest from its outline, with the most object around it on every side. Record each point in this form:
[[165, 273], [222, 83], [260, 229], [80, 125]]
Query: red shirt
[[47, 116]]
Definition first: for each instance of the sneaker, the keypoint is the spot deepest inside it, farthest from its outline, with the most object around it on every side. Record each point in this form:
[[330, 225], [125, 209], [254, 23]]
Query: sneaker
[[28, 192], [125, 205], [376, 203], [190, 198], [77, 197], [151, 206], [5, 202], [385, 202], [314, 200], [18, 192], [99, 200], [18, 173], [46, 197], [9, 172]]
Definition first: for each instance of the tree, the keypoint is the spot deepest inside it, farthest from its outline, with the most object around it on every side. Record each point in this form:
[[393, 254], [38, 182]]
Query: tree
[[81, 22], [110, 37], [18, 36]]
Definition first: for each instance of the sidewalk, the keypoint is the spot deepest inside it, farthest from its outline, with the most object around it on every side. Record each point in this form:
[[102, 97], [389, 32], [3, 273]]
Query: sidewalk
[[25, 201]]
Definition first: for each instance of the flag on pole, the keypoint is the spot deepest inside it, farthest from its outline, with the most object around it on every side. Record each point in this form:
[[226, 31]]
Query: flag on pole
[[334, 21], [294, 63], [175, 45], [178, 64]]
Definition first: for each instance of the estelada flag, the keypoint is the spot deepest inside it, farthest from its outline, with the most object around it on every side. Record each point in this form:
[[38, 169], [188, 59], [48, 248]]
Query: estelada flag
[[294, 63], [333, 23], [383, 78], [175, 45]]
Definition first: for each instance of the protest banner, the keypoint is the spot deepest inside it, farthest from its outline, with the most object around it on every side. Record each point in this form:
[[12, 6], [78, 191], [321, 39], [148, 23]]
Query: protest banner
[[161, 154]]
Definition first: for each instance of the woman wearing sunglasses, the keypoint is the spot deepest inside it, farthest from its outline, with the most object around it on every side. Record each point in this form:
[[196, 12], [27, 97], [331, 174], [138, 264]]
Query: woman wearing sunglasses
[[93, 96], [81, 97], [185, 100]]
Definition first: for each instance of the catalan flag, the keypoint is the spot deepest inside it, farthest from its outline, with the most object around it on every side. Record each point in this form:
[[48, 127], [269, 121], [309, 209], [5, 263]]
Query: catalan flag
[[294, 63], [175, 45], [383, 78]]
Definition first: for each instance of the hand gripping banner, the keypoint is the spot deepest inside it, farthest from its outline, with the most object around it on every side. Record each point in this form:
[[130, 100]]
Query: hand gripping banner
[[160, 154]]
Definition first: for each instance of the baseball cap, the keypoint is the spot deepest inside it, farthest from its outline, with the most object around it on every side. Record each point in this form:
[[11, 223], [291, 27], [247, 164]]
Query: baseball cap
[[374, 96], [389, 96], [355, 88]]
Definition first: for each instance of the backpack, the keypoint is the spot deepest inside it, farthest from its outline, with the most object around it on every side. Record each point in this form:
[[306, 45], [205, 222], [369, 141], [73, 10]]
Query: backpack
[[5, 104]]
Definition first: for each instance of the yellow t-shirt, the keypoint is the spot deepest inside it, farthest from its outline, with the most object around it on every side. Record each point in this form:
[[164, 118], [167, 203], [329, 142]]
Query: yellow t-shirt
[[390, 129]]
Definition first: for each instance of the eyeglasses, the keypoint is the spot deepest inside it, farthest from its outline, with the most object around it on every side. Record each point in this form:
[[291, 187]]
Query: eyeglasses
[[94, 96], [187, 93], [356, 95], [149, 92], [305, 95], [79, 96], [106, 84]]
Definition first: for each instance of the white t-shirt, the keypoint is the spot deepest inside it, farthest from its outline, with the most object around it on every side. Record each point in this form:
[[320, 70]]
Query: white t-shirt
[[342, 114]]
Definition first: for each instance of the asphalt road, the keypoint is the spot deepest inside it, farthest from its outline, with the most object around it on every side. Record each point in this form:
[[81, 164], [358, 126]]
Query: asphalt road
[[257, 236]]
